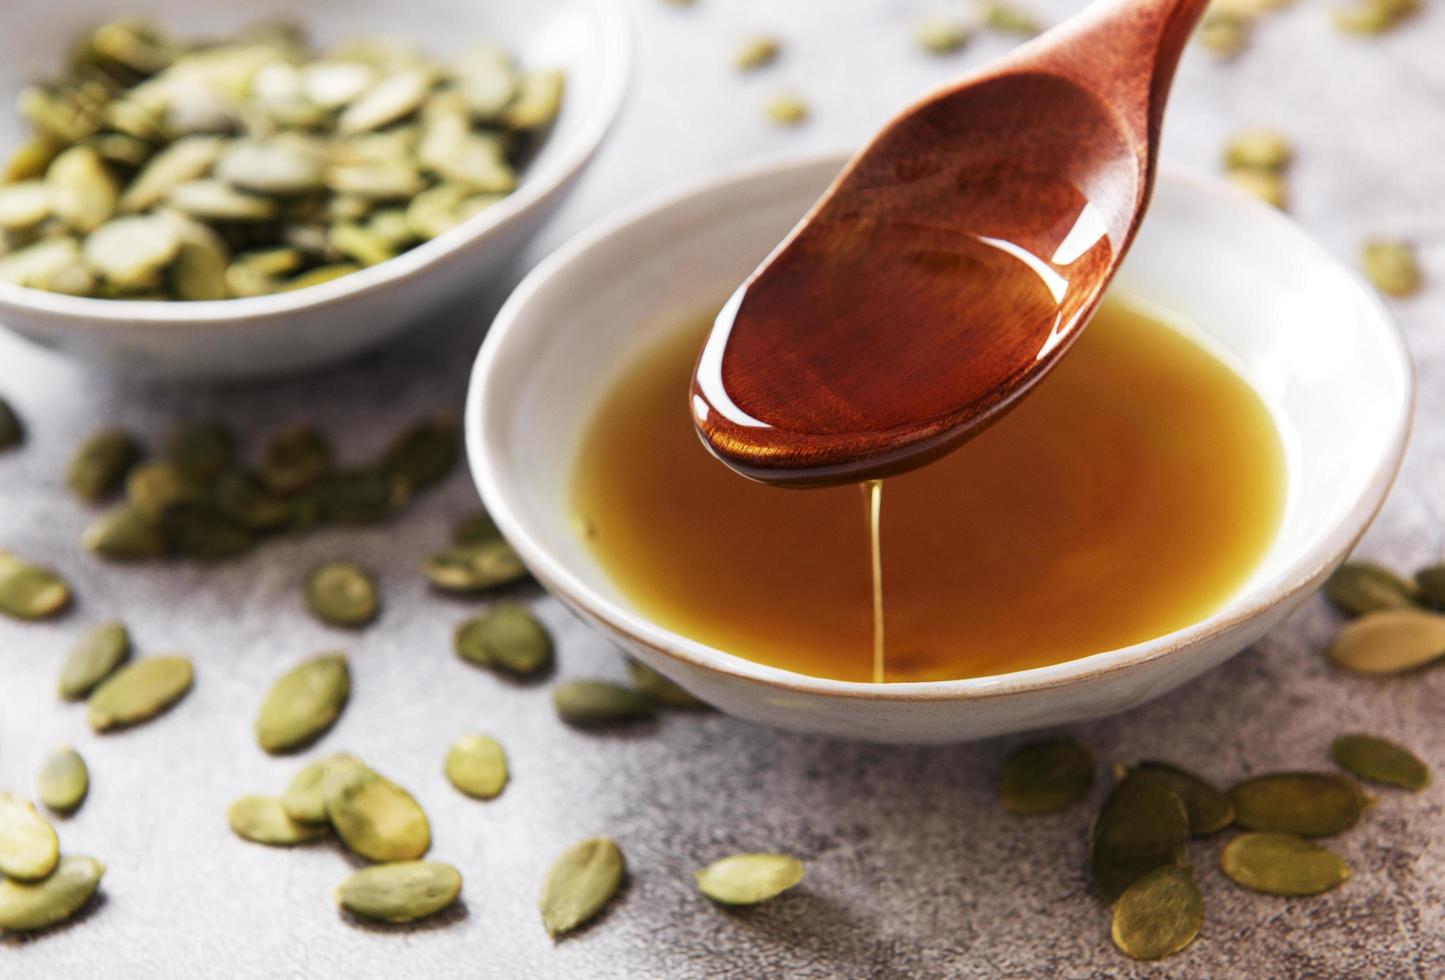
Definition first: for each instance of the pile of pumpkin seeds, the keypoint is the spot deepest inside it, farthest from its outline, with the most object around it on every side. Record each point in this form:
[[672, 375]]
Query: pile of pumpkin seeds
[[165, 169], [1138, 858], [198, 500]]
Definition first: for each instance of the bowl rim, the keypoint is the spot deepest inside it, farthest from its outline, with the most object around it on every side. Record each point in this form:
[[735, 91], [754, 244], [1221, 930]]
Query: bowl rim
[[614, 40], [483, 429]]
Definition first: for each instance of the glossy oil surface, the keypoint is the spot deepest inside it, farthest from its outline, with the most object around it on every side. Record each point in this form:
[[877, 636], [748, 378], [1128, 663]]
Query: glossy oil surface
[[1129, 495]]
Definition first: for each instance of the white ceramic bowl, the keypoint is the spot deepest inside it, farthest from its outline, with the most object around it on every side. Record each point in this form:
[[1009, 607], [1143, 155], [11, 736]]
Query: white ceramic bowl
[[1314, 341], [290, 332]]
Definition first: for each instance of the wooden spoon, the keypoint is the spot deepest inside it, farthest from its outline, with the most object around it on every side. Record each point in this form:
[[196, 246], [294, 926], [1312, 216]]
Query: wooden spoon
[[951, 263]]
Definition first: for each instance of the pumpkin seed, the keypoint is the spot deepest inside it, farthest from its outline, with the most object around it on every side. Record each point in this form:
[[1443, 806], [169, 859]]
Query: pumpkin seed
[[83, 194], [342, 594], [1430, 582], [1268, 187], [319, 275], [23, 205], [124, 534], [747, 879], [333, 84], [374, 817], [361, 496], [263, 820], [41, 264], [1046, 776], [25, 907], [30, 159], [581, 882], [208, 199], [185, 160], [156, 489], [402, 892], [30, 591], [303, 703], [1380, 761], [305, 797], [91, 660], [240, 500], [29, 848], [474, 529], [941, 35], [64, 781], [786, 110], [295, 459], [1209, 810], [1389, 641], [475, 567], [1142, 826], [199, 270], [360, 243], [1159, 914], [1225, 33], [1360, 587], [101, 463], [423, 454], [598, 704], [1390, 265], [485, 79], [132, 250], [1308, 804], [387, 101], [1258, 148], [507, 638], [394, 181], [477, 766], [202, 450], [138, 692], [273, 168], [756, 52], [1374, 16], [664, 691], [1010, 19], [538, 100], [12, 433], [197, 531], [1282, 864]]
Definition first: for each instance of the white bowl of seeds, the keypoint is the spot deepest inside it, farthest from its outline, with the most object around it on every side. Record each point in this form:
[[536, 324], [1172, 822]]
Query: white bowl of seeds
[[195, 191]]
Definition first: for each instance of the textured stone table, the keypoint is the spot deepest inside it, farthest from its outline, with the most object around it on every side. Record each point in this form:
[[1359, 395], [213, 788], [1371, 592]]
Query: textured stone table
[[913, 869]]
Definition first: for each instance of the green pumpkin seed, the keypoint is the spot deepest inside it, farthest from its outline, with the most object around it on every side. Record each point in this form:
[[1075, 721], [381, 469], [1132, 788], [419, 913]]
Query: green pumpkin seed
[[42, 264], [304, 703], [941, 35], [374, 817], [131, 251], [295, 460], [1258, 148], [786, 109], [538, 100], [124, 534], [92, 660], [64, 781], [12, 433], [83, 194], [508, 638], [1010, 19], [333, 84], [598, 704], [1271, 188], [756, 52], [1046, 776], [1159, 914], [317, 276], [747, 879], [389, 100], [402, 892], [360, 243], [29, 848], [155, 489], [240, 500], [424, 454], [197, 531], [199, 271], [1380, 761], [1374, 16], [1142, 826], [1390, 265], [185, 160], [361, 496], [30, 591], [474, 529], [1360, 587], [436, 210], [581, 882], [1282, 864], [138, 692], [30, 159], [477, 766], [202, 450], [1308, 804], [23, 205], [305, 796], [26, 907], [100, 465], [475, 567], [395, 181], [342, 594], [485, 79], [664, 691], [274, 168], [263, 820], [1389, 641], [209, 199], [1430, 582], [1209, 810]]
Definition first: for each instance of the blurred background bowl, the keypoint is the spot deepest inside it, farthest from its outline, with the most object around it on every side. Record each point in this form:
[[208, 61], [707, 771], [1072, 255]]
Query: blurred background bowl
[[285, 333]]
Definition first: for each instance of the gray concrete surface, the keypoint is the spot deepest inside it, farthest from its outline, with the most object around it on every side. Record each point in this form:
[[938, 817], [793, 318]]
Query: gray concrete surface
[[913, 869]]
